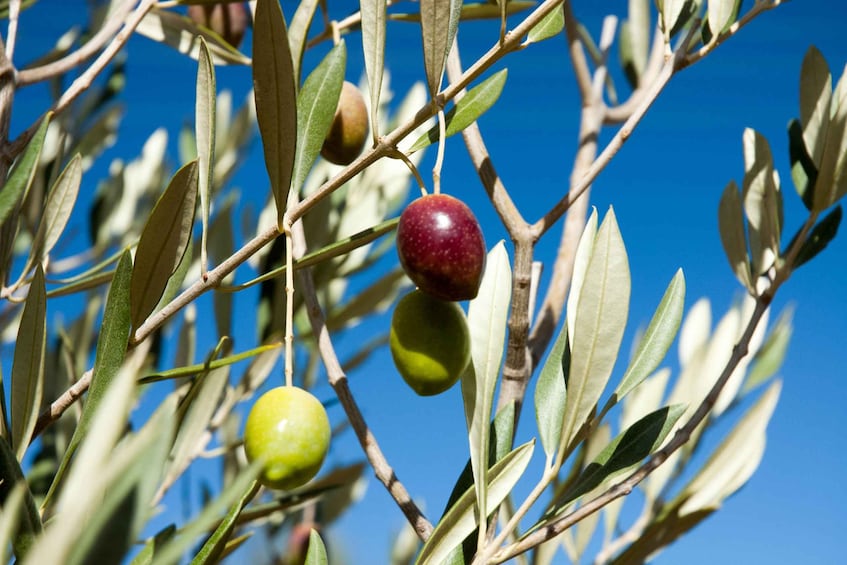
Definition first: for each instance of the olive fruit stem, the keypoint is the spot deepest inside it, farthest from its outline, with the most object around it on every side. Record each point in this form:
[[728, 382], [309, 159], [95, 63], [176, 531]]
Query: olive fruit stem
[[289, 302], [397, 154], [439, 160]]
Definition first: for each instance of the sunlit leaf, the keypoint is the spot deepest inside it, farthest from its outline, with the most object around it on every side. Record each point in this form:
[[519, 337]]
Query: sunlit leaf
[[733, 237], [163, 242], [600, 321], [461, 519], [487, 316], [182, 33], [298, 31], [474, 104], [23, 171], [204, 134], [28, 365], [658, 337], [583, 253], [831, 183], [549, 26], [57, 211], [762, 201], [276, 98], [635, 40], [720, 14], [734, 460], [550, 394], [316, 105], [439, 22], [815, 96], [316, 555], [373, 45]]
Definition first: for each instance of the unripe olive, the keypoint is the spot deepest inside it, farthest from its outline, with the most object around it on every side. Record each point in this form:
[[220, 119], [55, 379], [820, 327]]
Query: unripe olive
[[288, 429], [229, 20], [349, 131], [430, 342]]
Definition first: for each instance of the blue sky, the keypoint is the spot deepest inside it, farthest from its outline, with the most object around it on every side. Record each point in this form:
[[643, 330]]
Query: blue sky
[[664, 186]]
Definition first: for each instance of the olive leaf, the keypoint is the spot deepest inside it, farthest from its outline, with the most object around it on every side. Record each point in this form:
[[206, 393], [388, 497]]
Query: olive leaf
[[204, 133], [551, 394], [275, 92], [23, 171], [373, 45], [439, 22]]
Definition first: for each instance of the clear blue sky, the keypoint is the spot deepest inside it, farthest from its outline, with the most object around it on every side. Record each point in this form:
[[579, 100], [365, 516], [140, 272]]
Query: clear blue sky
[[664, 185]]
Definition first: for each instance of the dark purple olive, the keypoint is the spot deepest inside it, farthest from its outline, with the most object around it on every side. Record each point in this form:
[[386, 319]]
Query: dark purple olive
[[441, 247], [227, 20]]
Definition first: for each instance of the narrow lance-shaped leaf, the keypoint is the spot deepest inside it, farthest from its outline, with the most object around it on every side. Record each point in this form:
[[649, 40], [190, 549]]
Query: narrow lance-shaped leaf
[[316, 105], [762, 201], [28, 519], [820, 236], [276, 98], [656, 341], [474, 11], [584, 249], [23, 171], [733, 238], [373, 45], [804, 173], [214, 548], [28, 364], [551, 393], [831, 183], [487, 316], [598, 329], [461, 519], [720, 14], [163, 242], [439, 21], [549, 26], [297, 32], [204, 134], [108, 358], [474, 104], [316, 555], [815, 96], [627, 450], [57, 211]]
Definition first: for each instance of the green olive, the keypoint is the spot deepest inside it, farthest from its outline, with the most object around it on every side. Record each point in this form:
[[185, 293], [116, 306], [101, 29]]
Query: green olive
[[288, 430], [430, 342]]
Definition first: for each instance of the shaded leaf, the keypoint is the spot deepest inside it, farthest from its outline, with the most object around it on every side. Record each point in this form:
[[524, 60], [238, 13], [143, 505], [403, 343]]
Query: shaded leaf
[[733, 238], [600, 321], [820, 236], [28, 365], [23, 171], [654, 344], [373, 44], [163, 242], [316, 104], [549, 26], [551, 394], [14, 491], [276, 98], [626, 451], [316, 555], [182, 33], [461, 519], [214, 547], [804, 173], [659, 534], [487, 316], [474, 11], [474, 104], [204, 134]]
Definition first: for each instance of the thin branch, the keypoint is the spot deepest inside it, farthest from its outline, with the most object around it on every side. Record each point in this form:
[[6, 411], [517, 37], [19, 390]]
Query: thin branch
[[72, 60], [12, 34], [338, 380], [579, 62]]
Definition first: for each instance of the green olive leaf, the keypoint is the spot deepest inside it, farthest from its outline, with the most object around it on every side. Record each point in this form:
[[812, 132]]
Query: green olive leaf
[[733, 236], [163, 242], [549, 26], [23, 171], [275, 91], [316, 555], [316, 104], [475, 11], [28, 365], [551, 394], [215, 546], [439, 23], [204, 134], [657, 339], [181, 33], [298, 32], [815, 97], [373, 45], [804, 173], [461, 520], [23, 527], [474, 104]]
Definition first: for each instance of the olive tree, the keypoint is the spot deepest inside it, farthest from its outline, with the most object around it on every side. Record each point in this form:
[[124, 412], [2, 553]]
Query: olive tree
[[104, 414]]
